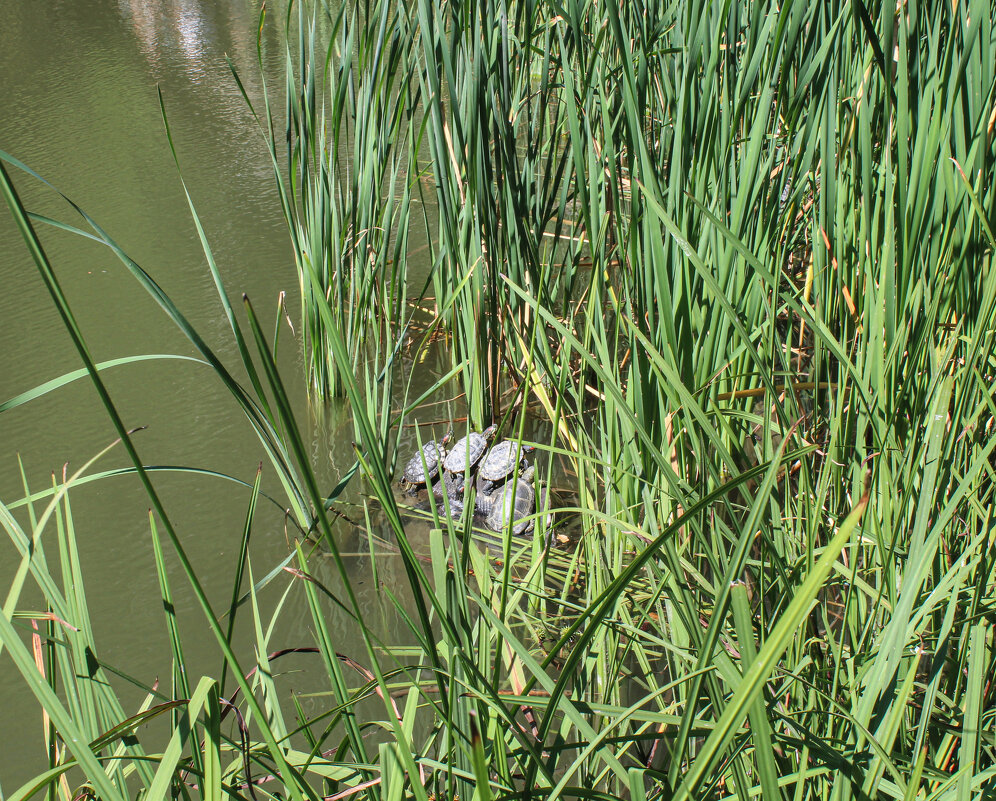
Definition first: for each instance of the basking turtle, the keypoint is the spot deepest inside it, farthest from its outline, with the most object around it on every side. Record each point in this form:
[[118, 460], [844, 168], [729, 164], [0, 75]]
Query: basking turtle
[[453, 503], [456, 508], [500, 463], [448, 484], [484, 498], [424, 465], [498, 466], [467, 451], [514, 501]]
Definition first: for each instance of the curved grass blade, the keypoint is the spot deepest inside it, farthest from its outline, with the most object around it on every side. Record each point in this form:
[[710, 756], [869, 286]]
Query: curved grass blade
[[774, 646], [57, 383]]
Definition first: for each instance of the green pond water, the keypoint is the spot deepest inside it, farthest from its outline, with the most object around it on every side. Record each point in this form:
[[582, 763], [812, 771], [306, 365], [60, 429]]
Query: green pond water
[[78, 104]]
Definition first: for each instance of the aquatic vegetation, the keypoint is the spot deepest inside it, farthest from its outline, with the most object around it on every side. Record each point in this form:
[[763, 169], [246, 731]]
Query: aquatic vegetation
[[735, 262], [345, 188]]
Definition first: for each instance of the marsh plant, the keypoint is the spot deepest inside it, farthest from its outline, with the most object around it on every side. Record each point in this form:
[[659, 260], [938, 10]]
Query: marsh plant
[[738, 259], [341, 151]]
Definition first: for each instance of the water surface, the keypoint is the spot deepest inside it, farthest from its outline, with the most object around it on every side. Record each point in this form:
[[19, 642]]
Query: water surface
[[79, 104]]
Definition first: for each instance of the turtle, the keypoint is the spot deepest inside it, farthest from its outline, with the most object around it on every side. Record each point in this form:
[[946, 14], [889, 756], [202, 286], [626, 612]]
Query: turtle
[[484, 498], [448, 484], [424, 465], [514, 501], [500, 463], [456, 508], [468, 450], [453, 503]]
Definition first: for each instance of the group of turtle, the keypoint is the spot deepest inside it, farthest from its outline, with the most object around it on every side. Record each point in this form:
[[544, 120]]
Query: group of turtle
[[504, 492]]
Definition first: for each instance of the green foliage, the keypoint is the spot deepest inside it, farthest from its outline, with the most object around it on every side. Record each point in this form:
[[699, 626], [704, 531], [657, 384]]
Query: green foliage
[[344, 187], [739, 259]]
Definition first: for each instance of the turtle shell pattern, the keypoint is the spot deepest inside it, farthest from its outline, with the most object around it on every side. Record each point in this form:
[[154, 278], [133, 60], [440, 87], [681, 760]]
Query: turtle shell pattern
[[513, 504], [454, 503], [484, 499], [448, 484], [425, 463], [502, 459], [473, 444]]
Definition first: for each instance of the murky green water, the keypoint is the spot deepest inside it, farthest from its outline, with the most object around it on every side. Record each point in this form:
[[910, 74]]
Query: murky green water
[[78, 103]]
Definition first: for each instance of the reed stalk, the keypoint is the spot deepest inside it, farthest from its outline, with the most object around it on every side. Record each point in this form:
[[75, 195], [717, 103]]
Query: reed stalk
[[737, 259]]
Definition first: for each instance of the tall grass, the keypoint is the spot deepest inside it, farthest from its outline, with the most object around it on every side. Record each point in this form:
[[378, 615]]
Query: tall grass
[[342, 163], [738, 258]]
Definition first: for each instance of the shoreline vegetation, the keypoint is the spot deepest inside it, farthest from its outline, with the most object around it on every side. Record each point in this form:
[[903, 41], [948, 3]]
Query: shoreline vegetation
[[734, 262]]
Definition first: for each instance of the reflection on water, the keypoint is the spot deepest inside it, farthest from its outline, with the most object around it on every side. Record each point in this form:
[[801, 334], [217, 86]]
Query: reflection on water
[[79, 100], [79, 104], [184, 36]]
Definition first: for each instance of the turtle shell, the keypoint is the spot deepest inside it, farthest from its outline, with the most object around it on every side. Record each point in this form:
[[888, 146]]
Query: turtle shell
[[502, 459], [453, 501], [424, 465], [511, 504], [468, 450]]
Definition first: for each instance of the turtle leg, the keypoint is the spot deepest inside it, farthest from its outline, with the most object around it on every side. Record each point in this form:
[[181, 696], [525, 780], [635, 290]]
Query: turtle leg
[[483, 501]]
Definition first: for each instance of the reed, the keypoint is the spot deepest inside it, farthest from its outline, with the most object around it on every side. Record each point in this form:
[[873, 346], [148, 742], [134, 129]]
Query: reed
[[739, 263], [342, 163]]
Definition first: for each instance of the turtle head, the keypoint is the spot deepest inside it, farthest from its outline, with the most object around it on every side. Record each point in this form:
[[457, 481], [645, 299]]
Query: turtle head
[[448, 438], [489, 432]]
